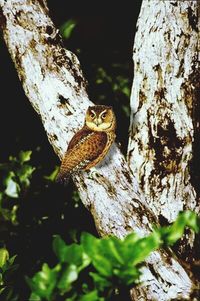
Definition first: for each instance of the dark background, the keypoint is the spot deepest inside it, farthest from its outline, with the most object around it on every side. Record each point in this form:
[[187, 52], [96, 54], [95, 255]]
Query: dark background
[[102, 38]]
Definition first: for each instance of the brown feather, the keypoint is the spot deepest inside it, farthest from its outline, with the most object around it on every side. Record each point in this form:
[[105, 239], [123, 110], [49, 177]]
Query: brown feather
[[85, 146], [78, 137]]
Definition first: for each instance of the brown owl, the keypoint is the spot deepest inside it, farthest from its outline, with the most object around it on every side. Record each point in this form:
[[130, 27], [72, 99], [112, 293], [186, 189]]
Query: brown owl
[[90, 144]]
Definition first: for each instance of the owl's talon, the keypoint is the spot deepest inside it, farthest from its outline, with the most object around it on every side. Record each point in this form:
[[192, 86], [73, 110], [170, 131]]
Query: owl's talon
[[93, 174]]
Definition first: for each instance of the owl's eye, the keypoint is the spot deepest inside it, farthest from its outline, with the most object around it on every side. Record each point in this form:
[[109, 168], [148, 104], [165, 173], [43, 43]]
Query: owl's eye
[[103, 116], [92, 114]]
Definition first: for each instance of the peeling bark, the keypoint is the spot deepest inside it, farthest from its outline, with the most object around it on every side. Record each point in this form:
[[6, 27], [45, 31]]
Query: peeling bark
[[164, 129], [54, 84]]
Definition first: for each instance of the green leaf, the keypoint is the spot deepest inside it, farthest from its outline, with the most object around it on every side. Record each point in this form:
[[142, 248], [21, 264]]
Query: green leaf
[[13, 159], [131, 239], [102, 265], [69, 275], [52, 175], [34, 297], [92, 296], [12, 259], [24, 173], [192, 220], [67, 28], [89, 243], [4, 255], [59, 247], [111, 248], [85, 261], [174, 232], [13, 215], [100, 282], [43, 282], [128, 275], [25, 156], [12, 188], [73, 254], [129, 244], [1, 290], [92, 246], [144, 247], [9, 264], [6, 214], [9, 267]]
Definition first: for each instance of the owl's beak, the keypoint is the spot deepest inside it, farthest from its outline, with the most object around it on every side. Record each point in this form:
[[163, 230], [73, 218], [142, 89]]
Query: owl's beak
[[97, 121]]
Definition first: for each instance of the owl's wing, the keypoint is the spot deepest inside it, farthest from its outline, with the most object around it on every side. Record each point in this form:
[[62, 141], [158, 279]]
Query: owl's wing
[[78, 137], [85, 148]]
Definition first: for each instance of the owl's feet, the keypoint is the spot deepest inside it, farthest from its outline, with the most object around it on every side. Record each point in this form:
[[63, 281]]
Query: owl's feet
[[93, 175]]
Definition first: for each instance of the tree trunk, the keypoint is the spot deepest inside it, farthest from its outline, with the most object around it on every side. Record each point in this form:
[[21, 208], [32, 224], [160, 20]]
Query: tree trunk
[[165, 112], [54, 84]]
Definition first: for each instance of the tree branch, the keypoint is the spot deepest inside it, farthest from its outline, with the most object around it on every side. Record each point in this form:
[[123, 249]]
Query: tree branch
[[164, 127], [54, 84]]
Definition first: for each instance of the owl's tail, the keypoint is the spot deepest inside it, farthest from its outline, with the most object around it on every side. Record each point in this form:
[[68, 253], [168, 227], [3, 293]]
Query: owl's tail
[[62, 178]]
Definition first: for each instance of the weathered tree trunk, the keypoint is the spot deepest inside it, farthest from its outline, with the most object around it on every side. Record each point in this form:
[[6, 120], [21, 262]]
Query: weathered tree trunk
[[54, 84], [164, 130]]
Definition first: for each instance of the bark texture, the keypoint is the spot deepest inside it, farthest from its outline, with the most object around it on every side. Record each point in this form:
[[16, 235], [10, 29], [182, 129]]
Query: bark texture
[[164, 129], [54, 84]]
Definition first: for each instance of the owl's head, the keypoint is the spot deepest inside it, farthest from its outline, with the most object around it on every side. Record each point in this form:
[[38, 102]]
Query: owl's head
[[100, 118]]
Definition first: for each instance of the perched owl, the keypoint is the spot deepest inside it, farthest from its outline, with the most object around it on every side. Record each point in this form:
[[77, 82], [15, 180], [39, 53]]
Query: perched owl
[[90, 144]]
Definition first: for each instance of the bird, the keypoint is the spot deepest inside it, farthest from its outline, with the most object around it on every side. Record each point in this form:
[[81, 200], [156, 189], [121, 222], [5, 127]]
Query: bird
[[90, 144]]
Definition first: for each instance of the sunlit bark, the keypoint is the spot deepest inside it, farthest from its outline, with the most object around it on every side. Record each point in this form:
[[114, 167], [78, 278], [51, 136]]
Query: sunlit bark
[[164, 130]]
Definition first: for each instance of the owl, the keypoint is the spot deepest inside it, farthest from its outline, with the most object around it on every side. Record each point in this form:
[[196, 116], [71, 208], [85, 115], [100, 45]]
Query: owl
[[91, 143]]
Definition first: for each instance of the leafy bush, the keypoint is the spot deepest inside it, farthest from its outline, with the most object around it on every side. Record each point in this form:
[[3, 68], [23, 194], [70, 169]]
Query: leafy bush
[[16, 179], [7, 268], [27, 213], [100, 268]]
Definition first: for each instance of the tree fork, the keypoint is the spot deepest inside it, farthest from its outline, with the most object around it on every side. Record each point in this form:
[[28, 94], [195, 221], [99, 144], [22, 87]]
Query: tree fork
[[54, 84]]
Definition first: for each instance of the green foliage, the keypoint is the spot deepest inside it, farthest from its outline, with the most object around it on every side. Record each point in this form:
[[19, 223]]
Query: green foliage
[[172, 233], [29, 205], [4, 255], [16, 176], [52, 176], [67, 28], [7, 268], [117, 82], [44, 282], [97, 268]]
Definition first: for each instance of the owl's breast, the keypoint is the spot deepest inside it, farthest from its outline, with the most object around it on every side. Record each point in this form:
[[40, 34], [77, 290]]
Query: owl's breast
[[100, 147], [91, 146]]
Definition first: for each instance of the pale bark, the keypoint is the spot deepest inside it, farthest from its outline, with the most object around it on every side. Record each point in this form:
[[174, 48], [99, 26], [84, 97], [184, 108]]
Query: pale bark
[[54, 84], [164, 129]]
